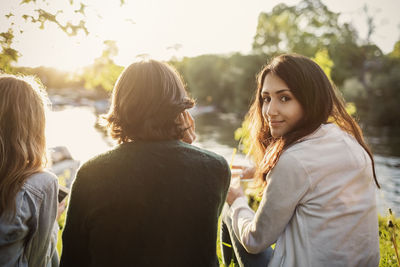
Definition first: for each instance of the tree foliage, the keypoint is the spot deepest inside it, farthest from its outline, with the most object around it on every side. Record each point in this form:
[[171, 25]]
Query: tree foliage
[[40, 13], [103, 74], [324, 61], [52, 78], [8, 54], [227, 82], [304, 28]]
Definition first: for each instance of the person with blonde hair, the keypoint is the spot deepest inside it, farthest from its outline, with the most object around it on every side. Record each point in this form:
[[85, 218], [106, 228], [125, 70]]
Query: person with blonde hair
[[153, 200], [315, 172], [28, 193]]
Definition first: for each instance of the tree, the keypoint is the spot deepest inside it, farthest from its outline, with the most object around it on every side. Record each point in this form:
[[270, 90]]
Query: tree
[[103, 74], [8, 54], [70, 20], [396, 51], [324, 61], [383, 101], [305, 28], [227, 82]]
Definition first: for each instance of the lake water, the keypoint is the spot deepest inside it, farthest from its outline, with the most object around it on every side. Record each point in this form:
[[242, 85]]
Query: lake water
[[74, 127]]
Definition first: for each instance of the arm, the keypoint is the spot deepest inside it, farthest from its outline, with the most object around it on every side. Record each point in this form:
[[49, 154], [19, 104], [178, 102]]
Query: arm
[[247, 172], [288, 182], [44, 240], [75, 251]]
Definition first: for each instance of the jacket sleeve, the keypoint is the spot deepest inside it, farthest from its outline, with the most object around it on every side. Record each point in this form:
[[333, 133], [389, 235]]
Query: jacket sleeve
[[287, 183], [44, 240], [75, 250]]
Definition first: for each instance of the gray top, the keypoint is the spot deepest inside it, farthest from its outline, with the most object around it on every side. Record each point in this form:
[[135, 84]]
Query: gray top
[[319, 205], [29, 238]]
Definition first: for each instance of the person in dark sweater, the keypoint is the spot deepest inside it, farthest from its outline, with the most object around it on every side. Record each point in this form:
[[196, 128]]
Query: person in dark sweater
[[154, 200]]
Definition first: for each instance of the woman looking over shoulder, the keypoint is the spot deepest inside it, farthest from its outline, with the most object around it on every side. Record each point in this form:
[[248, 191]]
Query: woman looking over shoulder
[[317, 175], [28, 194]]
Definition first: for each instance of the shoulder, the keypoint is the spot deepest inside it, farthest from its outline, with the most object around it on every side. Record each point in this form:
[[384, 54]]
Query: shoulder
[[325, 139], [289, 176], [44, 176], [102, 161], [203, 152], [41, 183], [291, 164], [206, 156], [329, 144]]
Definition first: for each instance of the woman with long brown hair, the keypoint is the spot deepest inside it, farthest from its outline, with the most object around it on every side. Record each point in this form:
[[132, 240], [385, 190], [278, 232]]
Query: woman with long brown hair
[[316, 174], [28, 194]]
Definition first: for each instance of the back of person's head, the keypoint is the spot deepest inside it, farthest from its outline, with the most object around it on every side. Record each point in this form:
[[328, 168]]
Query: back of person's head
[[318, 97], [147, 100], [22, 135]]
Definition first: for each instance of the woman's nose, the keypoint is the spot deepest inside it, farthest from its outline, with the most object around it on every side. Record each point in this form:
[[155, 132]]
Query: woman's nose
[[272, 109]]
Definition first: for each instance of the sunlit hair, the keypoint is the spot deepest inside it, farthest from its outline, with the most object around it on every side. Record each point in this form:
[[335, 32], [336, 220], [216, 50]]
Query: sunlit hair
[[147, 99], [22, 135], [321, 104]]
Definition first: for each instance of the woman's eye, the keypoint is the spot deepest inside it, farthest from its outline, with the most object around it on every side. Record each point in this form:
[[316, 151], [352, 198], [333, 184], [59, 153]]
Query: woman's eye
[[285, 98], [267, 99]]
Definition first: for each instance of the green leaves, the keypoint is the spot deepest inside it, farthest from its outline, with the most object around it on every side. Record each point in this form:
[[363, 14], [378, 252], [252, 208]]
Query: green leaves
[[305, 28], [387, 238], [324, 61], [27, 1], [8, 54], [103, 74]]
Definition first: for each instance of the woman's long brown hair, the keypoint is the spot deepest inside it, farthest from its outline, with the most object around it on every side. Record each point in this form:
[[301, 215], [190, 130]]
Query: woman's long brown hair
[[22, 136], [321, 104]]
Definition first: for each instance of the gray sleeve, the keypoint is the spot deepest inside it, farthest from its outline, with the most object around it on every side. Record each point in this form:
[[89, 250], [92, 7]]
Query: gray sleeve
[[287, 184], [43, 242]]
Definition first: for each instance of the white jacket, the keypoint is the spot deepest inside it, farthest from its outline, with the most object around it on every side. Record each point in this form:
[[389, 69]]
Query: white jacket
[[319, 205]]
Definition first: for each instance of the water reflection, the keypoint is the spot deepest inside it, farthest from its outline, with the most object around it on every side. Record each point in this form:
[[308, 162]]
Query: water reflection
[[215, 132], [73, 127], [384, 141]]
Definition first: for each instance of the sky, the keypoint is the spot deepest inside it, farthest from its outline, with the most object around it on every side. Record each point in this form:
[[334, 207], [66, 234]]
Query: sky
[[152, 27]]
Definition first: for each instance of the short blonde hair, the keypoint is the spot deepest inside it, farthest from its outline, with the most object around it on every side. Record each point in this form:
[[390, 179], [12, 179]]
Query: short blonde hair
[[147, 98], [22, 135]]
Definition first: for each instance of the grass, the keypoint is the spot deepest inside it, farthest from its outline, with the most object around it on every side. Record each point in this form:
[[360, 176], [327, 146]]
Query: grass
[[387, 231]]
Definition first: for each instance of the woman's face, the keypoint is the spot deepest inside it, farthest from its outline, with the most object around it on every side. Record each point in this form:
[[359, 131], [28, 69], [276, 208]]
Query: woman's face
[[281, 110]]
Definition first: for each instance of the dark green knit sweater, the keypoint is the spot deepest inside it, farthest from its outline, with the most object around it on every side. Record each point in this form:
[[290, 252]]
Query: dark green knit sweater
[[146, 204]]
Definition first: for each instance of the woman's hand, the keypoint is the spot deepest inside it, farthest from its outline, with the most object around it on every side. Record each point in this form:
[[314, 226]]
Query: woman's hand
[[60, 209], [235, 190], [187, 122], [247, 172]]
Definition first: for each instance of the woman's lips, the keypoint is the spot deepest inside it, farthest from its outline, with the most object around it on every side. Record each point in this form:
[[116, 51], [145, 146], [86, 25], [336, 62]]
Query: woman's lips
[[276, 123]]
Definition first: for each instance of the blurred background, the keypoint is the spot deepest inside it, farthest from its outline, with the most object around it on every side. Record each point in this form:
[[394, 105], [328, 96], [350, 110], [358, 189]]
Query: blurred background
[[78, 49]]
